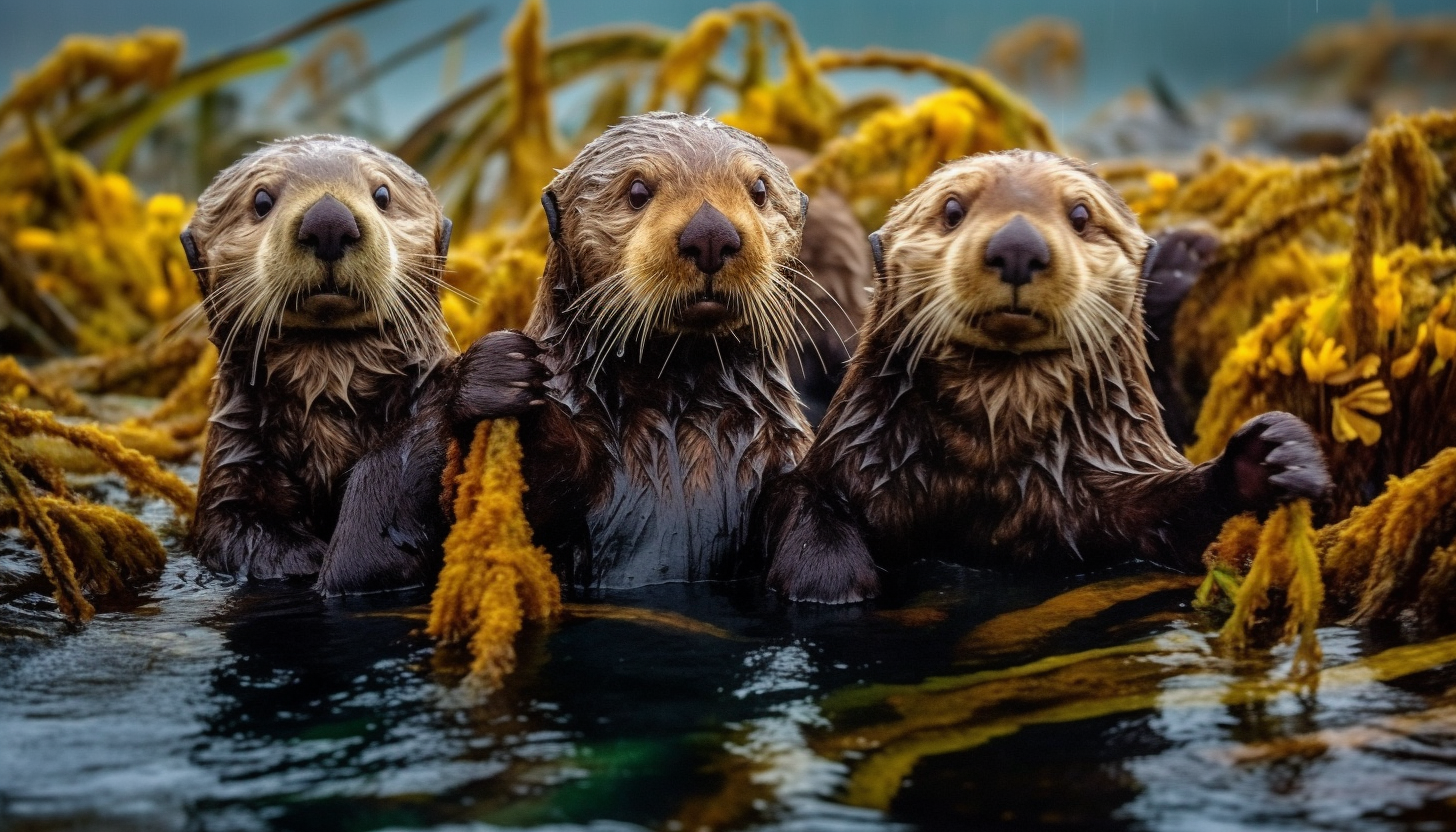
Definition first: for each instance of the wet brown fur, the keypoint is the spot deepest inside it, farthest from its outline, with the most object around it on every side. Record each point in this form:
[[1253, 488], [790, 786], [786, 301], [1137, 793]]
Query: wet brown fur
[[301, 395], [1037, 442], [647, 461], [834, 271]]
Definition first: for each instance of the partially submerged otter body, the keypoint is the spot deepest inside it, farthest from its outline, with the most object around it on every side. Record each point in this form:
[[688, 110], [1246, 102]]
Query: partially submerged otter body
[[998, 409], [280, 450], [666, 310], [318, 259], [664, 471]]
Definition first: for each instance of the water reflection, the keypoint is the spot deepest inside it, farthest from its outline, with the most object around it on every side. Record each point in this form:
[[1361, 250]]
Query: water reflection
[[207, 706]]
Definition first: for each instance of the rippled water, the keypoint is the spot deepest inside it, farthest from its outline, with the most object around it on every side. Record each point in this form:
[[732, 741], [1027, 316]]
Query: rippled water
[[209, 705]]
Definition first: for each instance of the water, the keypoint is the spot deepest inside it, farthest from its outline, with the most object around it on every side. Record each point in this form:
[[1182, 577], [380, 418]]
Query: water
[[209, 705]]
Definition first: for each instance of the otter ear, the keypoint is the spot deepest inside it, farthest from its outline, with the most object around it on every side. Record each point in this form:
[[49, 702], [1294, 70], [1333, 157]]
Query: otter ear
[[877, 248], [1150, 256], [194, 259], [553, 214], [444, 247], [803, 206]]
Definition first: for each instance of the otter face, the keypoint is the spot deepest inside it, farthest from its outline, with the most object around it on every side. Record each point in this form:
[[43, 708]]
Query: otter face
[[679, 225], [323, 233], [1017, 252]]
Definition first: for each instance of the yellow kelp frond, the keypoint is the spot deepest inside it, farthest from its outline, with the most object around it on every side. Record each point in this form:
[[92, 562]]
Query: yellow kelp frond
[[1014, 632], [1370, 202], [494, 577], [1284, 558], [148, 58], [800, 109], [18, 385], [153, 367], [109, 547], [893, 150], [83, 546], [142, 473], [1326, 298], [1016, 120], [934, 722], [91, 244], [531, 146], [499, 271], [32, 518], [1389, 555], [1387, 558]]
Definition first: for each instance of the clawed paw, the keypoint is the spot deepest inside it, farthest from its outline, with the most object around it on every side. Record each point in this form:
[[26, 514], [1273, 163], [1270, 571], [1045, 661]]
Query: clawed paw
[[499, 376], [1275, 458]]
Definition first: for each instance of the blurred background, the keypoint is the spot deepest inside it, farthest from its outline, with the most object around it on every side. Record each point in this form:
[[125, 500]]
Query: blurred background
[[1086, 65]]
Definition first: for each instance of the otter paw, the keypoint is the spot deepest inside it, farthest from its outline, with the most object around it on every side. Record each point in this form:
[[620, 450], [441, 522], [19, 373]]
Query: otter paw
[[499, 376], [1275, 458], [823, 560], [1177, 264]]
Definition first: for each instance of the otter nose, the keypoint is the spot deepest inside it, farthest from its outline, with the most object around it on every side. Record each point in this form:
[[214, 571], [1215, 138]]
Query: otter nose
[[709, 239], [328, 228], [1018, 251]]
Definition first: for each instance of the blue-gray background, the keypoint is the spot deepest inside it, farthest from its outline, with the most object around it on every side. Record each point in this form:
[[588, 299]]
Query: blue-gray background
[[1195, 44]]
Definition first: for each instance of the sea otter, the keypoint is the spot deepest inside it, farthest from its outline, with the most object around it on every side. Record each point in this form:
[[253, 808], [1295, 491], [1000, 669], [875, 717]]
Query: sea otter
[[665, 311], [833, 271], [998, 412], [319, 260]]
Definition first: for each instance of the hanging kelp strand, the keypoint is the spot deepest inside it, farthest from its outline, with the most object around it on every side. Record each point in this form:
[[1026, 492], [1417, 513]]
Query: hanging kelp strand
[[494, 578]]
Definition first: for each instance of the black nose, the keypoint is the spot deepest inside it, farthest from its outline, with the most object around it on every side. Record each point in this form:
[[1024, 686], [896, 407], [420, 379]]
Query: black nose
[[1018, 252], [328, 228], [709, 239]]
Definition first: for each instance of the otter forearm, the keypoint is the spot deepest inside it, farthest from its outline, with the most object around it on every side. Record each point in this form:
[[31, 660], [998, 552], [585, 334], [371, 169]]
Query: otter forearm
[[1167, 518], [391, 526]]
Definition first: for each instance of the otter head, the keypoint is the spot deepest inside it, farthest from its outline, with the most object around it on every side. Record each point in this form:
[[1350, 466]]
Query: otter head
[[675, 225], [320, 233], [1018, 252]]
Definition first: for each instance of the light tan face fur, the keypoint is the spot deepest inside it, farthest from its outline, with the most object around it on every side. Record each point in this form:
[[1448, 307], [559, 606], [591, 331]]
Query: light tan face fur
[[634, 283], [946, 295], [257, 272]]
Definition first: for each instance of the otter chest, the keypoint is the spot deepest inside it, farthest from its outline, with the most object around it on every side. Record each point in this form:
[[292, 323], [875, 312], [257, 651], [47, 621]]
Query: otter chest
[[678, 505]]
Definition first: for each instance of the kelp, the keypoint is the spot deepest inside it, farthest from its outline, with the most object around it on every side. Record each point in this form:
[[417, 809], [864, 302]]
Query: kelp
[[83, 545], [945, 716], [1022, 630], [90, 263], [1330, 296], [494, 578], [1372, 64], [780, 91], [1283, 557], [1042, 52], [1388, 558]]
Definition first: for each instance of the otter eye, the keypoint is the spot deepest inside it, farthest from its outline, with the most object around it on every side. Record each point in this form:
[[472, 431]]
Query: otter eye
[[638, 194], [1079, 217], [759, 192], [262, 203], [381, 197], [954, 213]]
